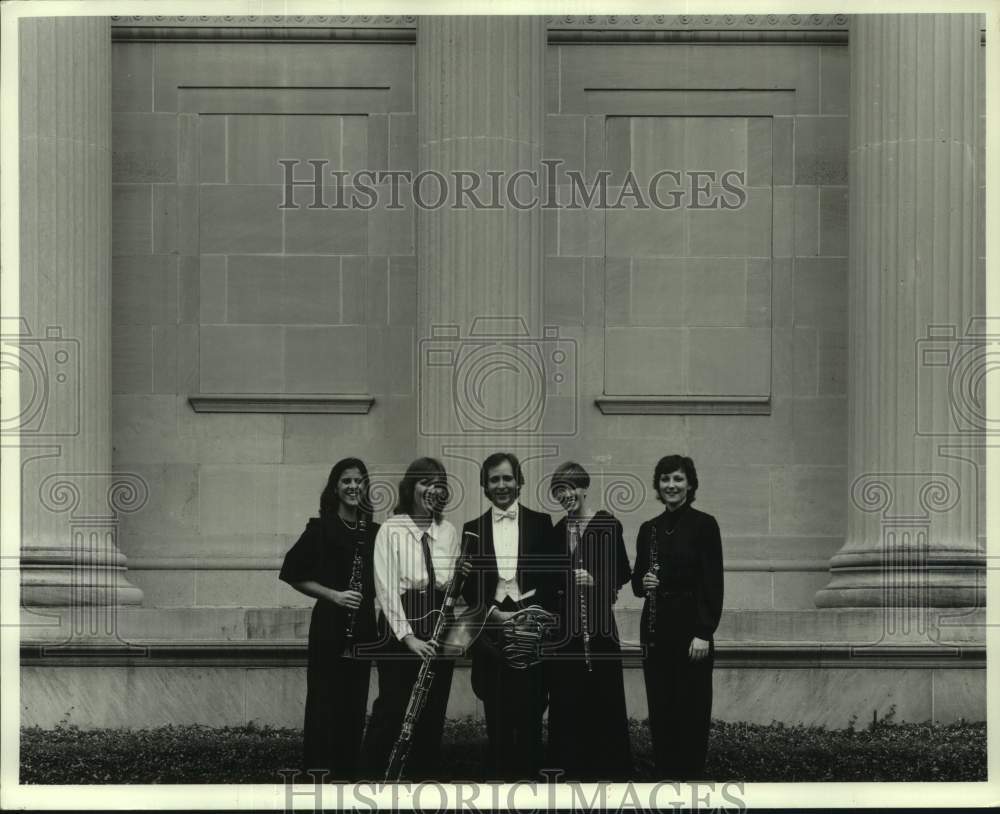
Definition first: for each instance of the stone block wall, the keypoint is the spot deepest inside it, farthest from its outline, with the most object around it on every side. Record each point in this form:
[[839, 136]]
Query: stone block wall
[[217, 290]]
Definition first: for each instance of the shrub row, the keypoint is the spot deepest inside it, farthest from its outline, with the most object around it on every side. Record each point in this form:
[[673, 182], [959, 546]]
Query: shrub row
[[739, 752]]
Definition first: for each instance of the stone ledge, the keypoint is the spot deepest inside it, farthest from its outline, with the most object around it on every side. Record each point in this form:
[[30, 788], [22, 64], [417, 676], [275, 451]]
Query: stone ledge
[[280, 403], [748, 655], [684, 405], [837, 627]]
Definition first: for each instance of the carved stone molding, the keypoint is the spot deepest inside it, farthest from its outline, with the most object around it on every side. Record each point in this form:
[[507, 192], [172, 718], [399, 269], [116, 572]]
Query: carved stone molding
[[684, 405], [280, 403], [568, 29]]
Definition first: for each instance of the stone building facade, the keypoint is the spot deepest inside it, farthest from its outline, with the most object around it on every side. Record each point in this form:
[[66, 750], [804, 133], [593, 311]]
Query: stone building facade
[[802, 347]]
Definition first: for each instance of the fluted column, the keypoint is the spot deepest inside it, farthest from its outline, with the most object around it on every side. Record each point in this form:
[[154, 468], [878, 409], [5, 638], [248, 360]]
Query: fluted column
[[914, 363], [70, 498], [480, 100]]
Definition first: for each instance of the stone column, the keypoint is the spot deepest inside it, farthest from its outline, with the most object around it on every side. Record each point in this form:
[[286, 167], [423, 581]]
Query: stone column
[[915, 364], [480, 99], [70, 498]]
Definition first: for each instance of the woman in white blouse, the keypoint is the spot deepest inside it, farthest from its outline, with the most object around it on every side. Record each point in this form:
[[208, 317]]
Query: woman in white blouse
[[415, 557]]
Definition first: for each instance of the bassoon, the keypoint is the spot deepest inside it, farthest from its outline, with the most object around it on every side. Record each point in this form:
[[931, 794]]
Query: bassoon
[[425, 678]]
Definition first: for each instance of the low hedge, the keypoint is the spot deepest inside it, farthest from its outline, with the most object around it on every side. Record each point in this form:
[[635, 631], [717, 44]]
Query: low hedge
[[739, 752]]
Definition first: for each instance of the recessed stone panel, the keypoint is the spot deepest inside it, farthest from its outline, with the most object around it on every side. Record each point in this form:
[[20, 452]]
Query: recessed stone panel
[[659, 295], [716, 144], [743, 232], [312, 290], [715, 292], [325, 360], [244, 219], [729, 361], [242, 359], [644, 232], [646, 361]]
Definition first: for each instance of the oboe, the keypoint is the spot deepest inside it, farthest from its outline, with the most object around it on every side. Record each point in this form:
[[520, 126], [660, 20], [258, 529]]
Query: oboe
[[654, 567], [356, 583], [574, 532], [425, 678]]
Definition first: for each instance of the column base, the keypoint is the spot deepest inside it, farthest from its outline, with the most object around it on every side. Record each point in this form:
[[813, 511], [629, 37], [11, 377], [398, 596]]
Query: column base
[[947, 578]]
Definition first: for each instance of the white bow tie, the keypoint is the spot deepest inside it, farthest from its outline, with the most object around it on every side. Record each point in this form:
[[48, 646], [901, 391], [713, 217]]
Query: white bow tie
[[510, 514]]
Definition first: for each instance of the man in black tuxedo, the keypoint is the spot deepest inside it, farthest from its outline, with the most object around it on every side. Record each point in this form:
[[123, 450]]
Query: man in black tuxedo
[[514, 565]]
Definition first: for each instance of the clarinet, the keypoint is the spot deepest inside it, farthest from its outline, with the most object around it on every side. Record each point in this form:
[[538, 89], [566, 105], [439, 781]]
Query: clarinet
[[356, 584], [425, 678], [654, 567], [581, 593]]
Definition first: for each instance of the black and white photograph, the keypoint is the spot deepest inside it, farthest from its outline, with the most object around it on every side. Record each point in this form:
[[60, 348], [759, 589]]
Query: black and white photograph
[[496, 408]]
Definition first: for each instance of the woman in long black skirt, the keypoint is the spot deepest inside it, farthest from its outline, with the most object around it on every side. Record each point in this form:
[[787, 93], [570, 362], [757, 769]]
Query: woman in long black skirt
[[334, 548], [678, 569], [588, 723]]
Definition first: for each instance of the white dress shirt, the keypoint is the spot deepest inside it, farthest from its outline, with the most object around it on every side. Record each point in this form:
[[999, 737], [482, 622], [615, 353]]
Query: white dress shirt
[[399, 565], [505, 545]]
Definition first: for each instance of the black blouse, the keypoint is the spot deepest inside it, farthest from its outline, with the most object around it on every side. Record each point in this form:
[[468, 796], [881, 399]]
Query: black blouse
[[689, 553], [601, 551], [325, 553]]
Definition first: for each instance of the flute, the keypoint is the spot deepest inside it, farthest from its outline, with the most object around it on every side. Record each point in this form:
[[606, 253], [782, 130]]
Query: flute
[[581, 593]]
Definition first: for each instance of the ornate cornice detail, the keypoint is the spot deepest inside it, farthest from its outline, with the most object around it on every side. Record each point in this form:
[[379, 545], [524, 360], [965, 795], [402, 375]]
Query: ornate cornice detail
[[268, 20], [625, 21], [692, 22]]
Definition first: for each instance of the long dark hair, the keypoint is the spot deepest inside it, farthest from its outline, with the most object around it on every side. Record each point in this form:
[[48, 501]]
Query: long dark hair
[[671, 463], [419, 470], [328, 501]]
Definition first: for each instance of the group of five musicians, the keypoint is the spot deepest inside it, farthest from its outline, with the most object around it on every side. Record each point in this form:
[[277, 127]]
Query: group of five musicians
[[378, 588]]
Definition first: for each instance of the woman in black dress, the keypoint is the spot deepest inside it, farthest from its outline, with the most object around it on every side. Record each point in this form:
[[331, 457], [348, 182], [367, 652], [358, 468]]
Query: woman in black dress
[[333, 547], [685, 584], [588, 723]]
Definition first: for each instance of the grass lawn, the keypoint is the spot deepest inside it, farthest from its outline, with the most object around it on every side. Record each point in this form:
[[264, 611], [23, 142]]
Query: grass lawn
[[737, 752]]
